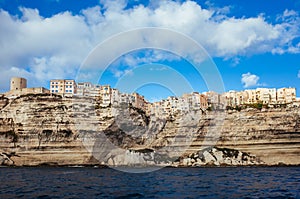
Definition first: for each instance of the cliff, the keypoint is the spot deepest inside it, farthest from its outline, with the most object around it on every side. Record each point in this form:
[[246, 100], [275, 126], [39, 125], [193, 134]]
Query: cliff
[[48, 129]]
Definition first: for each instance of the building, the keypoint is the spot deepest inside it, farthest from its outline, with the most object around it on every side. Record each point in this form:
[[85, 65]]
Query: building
[[105, 95], [115, 97], [156, 109], [286, 95], [183, 104], [266, 95], [88, 89], [232, 98], [17, 83], [18, 87], [250, 97], [63, 87], [139, 101], [214, 100], [178, 105], [195, 100]]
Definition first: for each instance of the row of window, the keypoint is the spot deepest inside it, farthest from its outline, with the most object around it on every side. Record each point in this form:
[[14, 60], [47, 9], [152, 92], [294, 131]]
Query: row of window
[[57, 86], [66, 83], [56, 91]]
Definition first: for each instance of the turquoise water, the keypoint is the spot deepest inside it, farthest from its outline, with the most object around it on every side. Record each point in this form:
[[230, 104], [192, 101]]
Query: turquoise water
[[238, 182]]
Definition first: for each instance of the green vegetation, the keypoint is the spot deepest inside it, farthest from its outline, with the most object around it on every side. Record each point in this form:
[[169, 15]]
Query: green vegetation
[[257, 106]]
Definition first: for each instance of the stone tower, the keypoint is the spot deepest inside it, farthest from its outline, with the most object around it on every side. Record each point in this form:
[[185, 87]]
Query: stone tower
[[17, 83]]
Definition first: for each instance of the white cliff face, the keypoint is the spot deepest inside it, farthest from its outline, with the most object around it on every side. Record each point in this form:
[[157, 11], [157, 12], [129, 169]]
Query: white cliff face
[[48, 129]]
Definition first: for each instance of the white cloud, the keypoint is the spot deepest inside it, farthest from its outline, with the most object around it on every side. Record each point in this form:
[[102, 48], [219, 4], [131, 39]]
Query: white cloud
[[135, 59], [249, 80], [56, 46]]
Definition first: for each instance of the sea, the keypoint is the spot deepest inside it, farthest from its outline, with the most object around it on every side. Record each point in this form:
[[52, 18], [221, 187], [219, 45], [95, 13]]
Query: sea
[[88, 182]]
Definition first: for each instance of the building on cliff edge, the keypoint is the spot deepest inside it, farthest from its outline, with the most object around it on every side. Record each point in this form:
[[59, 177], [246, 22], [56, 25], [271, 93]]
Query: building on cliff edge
[[18, 87], [64, 87]]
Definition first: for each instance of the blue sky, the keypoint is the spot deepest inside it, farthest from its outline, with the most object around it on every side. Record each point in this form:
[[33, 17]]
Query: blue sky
[[252, 43]]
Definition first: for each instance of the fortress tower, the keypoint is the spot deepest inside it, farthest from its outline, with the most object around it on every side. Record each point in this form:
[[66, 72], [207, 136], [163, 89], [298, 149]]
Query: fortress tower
[[17, 83]]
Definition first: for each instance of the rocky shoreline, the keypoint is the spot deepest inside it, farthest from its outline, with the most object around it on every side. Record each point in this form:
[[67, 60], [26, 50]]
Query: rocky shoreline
[[209, 157]]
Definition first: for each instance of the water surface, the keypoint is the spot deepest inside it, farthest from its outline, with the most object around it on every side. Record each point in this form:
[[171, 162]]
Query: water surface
[[238, 182]]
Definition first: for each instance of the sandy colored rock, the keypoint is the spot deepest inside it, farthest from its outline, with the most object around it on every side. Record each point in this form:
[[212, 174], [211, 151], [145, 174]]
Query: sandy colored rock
[[46, 128]]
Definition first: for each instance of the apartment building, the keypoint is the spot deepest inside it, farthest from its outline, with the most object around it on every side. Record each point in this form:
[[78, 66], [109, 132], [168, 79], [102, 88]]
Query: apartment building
[[63, 87], [286, 95], [196, 101], [269, 96], [139, 101], [215, 99], [115, 97], [105, 95], [171, 105], [88, 89]]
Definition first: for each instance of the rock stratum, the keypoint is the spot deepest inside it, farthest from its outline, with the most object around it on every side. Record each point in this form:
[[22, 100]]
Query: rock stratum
[[45, 129]]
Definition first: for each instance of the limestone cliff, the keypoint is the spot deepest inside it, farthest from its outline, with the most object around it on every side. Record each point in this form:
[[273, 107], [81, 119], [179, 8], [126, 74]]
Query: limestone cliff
[[48, 129]]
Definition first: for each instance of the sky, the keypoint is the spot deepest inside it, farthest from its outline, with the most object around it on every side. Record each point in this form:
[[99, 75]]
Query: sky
[[155, 47]]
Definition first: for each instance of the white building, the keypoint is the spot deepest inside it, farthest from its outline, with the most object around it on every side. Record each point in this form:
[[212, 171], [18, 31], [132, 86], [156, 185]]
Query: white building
[[115, 97], [286, 95], [88, 89], [105, 95], [266, 95]]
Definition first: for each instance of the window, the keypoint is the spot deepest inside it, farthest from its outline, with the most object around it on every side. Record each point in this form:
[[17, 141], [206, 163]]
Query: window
[[52, 86], [70, 87], [66, 86], [56, 86]]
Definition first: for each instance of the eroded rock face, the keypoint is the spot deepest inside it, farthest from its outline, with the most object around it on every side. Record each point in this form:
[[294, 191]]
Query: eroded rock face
[[49, 129]]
